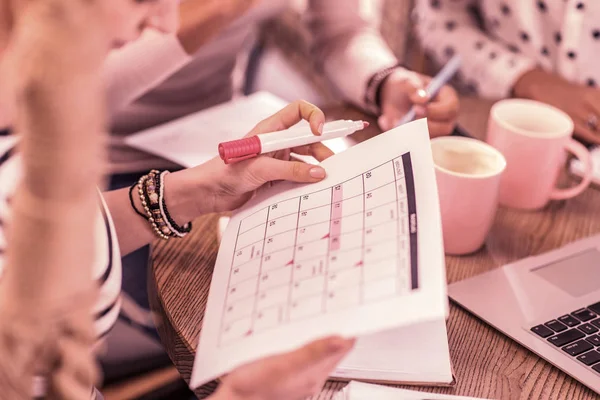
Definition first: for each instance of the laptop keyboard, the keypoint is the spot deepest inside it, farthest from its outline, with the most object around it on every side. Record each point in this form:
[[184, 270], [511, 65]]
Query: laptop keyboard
[[577, 334]]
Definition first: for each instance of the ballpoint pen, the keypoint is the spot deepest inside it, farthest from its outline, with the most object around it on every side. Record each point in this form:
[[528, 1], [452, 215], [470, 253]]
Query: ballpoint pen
[[242, 149], [443, 77]]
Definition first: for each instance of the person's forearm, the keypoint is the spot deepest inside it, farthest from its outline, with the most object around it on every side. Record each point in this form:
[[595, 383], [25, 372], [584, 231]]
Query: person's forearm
[[347, 46], [47, 289], [133, 70], [137, 68], [528, 84], [186, 196], [489, 67]]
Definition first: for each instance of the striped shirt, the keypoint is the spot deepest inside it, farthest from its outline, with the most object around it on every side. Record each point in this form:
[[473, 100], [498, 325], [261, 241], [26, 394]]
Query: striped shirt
[[107, 264]]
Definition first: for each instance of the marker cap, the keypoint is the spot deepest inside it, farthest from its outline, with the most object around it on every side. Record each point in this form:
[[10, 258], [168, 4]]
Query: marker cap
[[238, 150]]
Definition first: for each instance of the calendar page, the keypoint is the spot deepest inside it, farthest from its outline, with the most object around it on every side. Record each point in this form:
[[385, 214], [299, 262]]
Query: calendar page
[[358, 253]]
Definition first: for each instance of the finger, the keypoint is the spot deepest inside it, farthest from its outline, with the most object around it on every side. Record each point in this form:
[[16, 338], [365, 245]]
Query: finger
[[317, 150], [445, 106], [415, 90], [270, 169], [291, 115], [319, 351], [329, 364], [165, 16], [586, 134], [314, 378], [388, 120], [320, 151], [391, 115], [439, 128]]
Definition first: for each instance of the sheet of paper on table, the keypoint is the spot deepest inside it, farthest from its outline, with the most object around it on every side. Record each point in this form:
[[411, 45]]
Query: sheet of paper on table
[[356, 254], [194, 139], [364, 391]]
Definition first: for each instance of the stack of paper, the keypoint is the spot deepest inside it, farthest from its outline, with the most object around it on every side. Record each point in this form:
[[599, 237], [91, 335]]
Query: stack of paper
[[364, 391]]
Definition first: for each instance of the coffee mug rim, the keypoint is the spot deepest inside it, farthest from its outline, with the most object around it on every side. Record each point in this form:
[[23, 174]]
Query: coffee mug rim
[[506, 125], [486, 147]]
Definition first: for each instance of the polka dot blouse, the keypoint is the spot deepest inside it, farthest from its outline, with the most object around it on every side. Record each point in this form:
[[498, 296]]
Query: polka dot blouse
[[500, 40]]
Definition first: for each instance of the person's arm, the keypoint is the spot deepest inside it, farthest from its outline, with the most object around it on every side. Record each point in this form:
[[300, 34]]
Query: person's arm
[[217, 187], [361, 65], [490, 67], [138, 67], [46, 288], [347, 47]]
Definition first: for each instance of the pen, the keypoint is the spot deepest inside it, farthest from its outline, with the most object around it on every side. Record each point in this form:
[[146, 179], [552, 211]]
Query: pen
[[435, 85], [243, 149]]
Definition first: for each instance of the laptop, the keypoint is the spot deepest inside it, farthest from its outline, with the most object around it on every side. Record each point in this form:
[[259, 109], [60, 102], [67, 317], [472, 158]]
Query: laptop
[[549, 303]]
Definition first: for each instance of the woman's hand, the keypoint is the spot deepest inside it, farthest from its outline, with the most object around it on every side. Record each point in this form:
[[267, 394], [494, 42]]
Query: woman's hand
[[227, 187], [580, 102], [216, 187], [292, 376], [400, 93]]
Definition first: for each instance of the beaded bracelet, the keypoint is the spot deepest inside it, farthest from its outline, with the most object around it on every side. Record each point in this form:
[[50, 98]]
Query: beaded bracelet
[[177, 230], [150, 188], [147, 186], [374, 86], [138, 212]]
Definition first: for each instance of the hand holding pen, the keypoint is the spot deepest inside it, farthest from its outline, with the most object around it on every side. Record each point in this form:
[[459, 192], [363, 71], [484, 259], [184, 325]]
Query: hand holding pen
[[407, 95]]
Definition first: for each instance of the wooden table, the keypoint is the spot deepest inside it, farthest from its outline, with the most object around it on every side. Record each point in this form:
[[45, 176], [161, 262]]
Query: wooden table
[[487, 364]]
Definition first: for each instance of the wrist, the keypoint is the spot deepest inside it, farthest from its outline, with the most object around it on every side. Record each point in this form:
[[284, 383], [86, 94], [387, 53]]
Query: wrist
[[527, 85], [374, 92], [187, 196]]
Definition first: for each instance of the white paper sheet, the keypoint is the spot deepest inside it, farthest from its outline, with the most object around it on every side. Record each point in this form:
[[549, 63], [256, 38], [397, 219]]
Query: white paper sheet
[[194, 139], [413, 354], [288, 273], [363, 391]]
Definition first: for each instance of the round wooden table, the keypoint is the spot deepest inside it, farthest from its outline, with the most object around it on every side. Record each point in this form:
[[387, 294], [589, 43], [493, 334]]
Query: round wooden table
[[487, 364]]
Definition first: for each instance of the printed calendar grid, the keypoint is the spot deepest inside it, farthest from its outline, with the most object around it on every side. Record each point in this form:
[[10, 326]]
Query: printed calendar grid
[[316, 240], [272, 283], [308, 209]]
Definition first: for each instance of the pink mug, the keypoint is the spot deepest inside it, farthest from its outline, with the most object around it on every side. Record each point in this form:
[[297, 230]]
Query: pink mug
[[468, 173], [533, 137]]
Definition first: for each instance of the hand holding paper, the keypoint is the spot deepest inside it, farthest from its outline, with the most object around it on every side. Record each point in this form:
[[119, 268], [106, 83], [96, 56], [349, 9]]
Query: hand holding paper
[[341, 256]]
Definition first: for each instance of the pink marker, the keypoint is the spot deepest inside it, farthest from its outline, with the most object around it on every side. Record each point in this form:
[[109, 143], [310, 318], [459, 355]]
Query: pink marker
[[242, 149]]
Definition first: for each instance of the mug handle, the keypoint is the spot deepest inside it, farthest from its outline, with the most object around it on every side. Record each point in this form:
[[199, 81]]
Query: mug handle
[[583, 155]]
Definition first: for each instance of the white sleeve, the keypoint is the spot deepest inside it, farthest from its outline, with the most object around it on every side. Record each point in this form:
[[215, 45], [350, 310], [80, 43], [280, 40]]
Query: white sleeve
[[347, 46], [138, 67]]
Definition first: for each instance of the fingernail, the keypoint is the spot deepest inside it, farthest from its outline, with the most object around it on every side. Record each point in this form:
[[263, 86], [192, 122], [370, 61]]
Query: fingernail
[[317, 172], [320, 128], [422, 93]]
